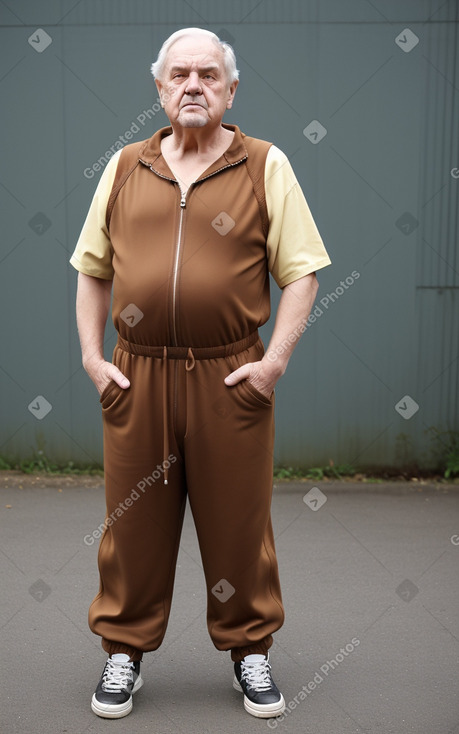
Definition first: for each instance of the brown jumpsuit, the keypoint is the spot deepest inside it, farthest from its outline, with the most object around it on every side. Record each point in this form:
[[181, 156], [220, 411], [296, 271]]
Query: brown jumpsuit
[[190, 289]]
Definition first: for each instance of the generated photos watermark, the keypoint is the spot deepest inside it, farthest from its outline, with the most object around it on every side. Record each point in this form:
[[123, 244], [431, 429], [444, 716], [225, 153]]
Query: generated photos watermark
[[326, 301], [135, 494], [316, 680], [126, 137]]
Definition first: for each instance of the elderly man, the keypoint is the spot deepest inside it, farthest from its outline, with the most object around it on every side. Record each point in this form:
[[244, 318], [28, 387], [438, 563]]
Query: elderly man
[[187, 226]]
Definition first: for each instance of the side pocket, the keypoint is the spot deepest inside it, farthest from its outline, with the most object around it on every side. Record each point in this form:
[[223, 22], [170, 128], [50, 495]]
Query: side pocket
[[245, 388], [256, 394], [109, 394]]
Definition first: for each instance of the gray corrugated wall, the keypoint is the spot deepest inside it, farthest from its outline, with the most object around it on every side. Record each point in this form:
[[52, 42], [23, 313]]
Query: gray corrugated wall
[[381, 185]]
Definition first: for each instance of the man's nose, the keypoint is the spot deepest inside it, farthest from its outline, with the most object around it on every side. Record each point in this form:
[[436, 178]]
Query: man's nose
[[194, 83]]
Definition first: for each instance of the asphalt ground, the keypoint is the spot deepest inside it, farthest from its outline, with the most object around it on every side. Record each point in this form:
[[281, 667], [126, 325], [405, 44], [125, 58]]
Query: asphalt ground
[[370, 643]]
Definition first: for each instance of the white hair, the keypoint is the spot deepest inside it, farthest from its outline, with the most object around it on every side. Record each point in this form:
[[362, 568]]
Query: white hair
[[229, 59]]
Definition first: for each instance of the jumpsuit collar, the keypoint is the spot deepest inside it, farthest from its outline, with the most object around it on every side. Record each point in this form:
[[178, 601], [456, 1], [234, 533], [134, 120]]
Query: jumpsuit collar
[[151, 154]]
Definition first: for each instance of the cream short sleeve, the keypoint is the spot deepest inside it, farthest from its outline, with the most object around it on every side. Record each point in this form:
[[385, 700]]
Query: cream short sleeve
[[294, 245], [93, 252]]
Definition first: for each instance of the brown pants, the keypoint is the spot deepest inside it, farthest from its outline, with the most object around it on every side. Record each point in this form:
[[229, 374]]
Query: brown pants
[[179, 420]]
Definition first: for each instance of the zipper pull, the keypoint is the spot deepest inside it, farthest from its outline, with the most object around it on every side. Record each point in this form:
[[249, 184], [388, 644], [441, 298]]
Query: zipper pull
[[183, 201]]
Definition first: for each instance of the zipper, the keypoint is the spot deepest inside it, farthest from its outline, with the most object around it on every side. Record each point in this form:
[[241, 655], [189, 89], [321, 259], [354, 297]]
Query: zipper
[[178, 244], [178, 250]]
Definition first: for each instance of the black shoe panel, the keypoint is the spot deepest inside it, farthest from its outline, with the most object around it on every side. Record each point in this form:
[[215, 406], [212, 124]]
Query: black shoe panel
[[258, 697], [116, 698]]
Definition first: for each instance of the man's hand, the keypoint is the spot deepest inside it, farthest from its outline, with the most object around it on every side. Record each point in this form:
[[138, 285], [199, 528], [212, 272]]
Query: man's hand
[[263, 375], [295, 305], [101, 372]]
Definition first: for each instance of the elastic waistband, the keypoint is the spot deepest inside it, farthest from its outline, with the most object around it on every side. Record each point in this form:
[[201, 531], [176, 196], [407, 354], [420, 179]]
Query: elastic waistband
[[224, 350]]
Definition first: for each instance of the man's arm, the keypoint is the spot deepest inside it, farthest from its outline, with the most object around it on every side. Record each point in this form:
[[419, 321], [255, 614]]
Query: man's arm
[[294, 308], [92, 306]]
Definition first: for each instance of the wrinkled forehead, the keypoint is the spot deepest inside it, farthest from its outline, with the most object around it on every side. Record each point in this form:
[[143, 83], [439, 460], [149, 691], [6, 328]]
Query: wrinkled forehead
[[195, 51]]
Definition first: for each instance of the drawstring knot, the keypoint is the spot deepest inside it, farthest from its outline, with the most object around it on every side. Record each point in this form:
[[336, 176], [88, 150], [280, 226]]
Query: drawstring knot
[[190, 360]]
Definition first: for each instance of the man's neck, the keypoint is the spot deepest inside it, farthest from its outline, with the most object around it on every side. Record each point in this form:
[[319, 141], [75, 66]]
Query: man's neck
[[196, 141]]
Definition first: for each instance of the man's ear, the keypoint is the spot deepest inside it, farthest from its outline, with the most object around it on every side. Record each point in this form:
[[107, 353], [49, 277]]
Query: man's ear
[[160, 89], [231, 93]]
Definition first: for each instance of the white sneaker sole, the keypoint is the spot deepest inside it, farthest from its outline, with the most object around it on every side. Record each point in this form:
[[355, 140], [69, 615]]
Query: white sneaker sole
[[115, 711], [261, 711]]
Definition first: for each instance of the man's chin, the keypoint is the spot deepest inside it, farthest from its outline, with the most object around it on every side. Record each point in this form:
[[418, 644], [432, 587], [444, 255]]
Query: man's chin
[[190, 119]]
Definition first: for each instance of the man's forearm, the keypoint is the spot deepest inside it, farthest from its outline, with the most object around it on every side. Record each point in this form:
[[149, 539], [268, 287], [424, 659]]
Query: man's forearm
[[295, 305], [294, 308], [92, 306]]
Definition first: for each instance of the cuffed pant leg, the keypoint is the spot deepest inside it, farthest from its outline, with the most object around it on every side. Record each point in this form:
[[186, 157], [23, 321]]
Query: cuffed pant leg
[[229, 462], [139, 546], [115, 647], [261, 648]]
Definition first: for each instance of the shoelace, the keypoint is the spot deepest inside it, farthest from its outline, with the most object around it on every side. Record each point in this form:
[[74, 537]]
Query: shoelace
[[117, 676], [257, 675]]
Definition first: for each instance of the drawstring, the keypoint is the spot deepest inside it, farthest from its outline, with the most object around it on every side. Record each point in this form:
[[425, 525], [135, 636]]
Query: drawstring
[[189, 365], [165, 417]]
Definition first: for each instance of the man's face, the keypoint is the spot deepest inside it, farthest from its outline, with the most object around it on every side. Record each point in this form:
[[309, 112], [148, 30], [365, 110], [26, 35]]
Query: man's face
[[195, 90]]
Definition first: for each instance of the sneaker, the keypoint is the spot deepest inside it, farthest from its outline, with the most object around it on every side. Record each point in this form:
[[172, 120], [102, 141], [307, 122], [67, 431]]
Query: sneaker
[[120, 679], [262, 697]]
